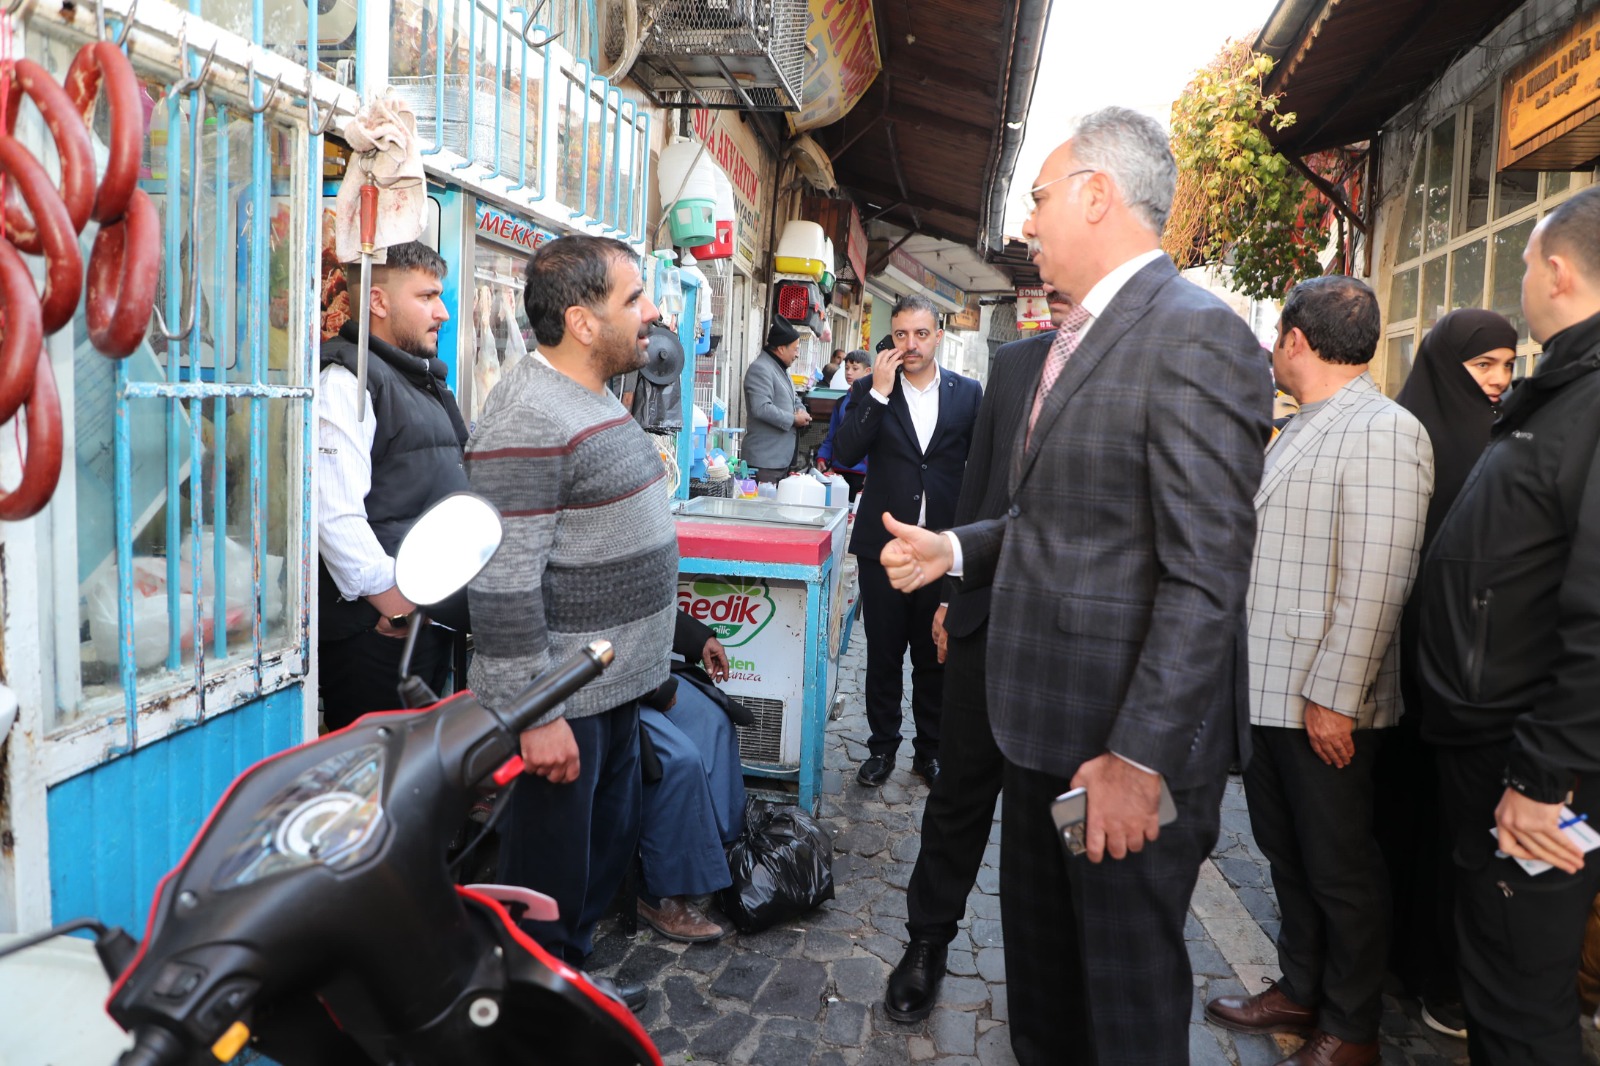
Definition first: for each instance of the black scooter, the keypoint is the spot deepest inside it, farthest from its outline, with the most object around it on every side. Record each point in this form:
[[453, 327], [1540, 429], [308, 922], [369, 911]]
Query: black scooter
[[314, 918]]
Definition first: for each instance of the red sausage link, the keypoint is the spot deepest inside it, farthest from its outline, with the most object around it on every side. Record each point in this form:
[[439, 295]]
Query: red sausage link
[[123, 267], [72, 145], [41, 467], [98, 65], [23, 337], [63, 277]]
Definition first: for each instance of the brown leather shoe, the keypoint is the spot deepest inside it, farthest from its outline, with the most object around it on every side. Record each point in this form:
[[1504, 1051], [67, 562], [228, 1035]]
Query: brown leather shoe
[[1325, 1049], [1266, 1012], [678, 919]]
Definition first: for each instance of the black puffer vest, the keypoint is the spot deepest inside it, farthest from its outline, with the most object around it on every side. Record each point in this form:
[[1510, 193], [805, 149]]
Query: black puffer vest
[[416, 457]]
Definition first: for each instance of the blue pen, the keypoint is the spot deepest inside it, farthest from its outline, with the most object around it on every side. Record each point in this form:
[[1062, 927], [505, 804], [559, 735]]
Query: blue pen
[[1574, 820]]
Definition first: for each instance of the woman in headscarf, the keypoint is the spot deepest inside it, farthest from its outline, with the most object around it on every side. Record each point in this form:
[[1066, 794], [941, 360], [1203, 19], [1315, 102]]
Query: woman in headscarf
[[1462, 370]]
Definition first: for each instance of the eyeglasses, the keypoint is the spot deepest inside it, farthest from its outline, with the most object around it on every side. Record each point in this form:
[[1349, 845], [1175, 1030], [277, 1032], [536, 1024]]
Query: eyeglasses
[[1026, 203]]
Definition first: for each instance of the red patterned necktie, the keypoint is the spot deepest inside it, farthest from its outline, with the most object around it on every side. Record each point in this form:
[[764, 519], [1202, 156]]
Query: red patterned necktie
[[1061, 350]]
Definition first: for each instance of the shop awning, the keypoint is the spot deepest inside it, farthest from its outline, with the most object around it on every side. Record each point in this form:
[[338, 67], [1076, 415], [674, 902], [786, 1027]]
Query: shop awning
[[931, 145], [1345, 67]]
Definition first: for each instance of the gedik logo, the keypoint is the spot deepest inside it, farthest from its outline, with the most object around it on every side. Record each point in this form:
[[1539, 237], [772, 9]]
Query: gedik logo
[[735, 610]]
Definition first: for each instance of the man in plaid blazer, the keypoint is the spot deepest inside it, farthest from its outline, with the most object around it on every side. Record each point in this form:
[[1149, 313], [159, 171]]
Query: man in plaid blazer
[[1339, 518], [1116, 646]]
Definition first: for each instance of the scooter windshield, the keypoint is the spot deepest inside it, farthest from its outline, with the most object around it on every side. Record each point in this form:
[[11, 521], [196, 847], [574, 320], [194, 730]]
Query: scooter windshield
[[329, 816]]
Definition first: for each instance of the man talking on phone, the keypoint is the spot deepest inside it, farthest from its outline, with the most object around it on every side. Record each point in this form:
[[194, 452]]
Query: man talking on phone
[[1116, 618], [913, 422]]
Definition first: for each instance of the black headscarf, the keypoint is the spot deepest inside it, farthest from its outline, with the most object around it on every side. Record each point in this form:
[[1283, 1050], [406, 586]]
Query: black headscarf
[[1449, 402]]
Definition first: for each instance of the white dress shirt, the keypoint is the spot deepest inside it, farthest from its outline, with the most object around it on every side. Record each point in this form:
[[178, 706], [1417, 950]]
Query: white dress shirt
[[355, 559], [923, 404]]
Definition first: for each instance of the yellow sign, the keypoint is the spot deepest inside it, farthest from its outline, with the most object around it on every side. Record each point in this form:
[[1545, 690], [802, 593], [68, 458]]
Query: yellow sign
[[1548, 90], [844, 61]]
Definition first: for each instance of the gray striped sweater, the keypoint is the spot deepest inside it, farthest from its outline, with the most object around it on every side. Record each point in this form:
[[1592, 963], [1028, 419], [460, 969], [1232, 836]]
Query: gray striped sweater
[[590, 550]]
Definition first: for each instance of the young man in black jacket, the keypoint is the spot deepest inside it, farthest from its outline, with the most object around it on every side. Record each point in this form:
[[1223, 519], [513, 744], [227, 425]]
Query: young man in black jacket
[[1510, 667]]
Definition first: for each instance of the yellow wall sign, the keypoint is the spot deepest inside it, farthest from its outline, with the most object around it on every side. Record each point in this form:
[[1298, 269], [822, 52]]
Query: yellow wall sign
[[1546, 98], [843, 64]]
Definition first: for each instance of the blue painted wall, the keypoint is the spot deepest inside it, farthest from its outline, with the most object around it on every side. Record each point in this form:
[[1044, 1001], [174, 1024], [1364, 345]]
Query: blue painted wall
[[116, 830]]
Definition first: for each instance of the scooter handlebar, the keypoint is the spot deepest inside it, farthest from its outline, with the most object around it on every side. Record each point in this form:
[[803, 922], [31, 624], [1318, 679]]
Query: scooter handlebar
[[557, 683]]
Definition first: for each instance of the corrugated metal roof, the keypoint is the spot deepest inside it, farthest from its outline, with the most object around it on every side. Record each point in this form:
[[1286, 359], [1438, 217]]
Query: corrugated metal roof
[[1356, 63]]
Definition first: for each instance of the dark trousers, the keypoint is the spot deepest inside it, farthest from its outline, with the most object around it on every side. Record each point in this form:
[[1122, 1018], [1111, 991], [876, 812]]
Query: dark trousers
[[894, 620], [1416, 852], [575, 842], [1313, 822], [360, 674], [1520, 937], [1096, 967], [960, 810]]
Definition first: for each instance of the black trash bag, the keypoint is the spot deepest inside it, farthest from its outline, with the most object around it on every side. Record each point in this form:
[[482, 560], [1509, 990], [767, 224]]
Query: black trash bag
[[782, 866]]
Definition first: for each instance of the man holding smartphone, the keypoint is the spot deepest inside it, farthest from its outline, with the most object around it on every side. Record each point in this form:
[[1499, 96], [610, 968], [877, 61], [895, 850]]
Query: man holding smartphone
[[912, 422]]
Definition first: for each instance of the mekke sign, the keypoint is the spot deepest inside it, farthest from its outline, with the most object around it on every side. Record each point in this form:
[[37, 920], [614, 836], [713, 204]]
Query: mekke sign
[[736, 611], [518, 231]]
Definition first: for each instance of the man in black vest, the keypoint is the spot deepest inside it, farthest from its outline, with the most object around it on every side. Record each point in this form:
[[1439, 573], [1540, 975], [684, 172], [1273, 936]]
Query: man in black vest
[[375, 477]]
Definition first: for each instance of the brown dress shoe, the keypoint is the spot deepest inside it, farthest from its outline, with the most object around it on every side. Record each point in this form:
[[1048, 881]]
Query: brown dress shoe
[[1266, 1012], [1325, 1049], [678, 919]]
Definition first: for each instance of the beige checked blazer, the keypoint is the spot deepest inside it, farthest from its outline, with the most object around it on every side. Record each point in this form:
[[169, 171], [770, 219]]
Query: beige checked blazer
[[1339, 520]]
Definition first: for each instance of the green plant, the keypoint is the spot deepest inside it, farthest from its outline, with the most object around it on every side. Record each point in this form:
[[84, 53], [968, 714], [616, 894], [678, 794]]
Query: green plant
[[1239, 202]]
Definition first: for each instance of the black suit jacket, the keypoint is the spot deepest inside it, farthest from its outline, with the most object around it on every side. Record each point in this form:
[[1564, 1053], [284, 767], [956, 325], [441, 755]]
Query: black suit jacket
[[1120, 567], [1013, 379], [899, 473]]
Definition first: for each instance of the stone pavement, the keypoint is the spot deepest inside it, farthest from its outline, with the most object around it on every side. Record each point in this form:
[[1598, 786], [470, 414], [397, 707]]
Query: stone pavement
[[809, 992]]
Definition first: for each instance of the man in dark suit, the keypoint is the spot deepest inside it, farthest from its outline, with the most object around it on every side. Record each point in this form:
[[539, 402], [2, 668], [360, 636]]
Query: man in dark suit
[[1116, 628], [960, 808], [913, 422]]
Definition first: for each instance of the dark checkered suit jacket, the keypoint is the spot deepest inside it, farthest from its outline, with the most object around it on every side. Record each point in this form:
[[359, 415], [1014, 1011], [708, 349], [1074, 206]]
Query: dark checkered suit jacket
[[1119, 572]]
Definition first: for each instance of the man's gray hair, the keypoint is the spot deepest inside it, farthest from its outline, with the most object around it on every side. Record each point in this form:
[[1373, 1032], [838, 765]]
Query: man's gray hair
[[1134, 150]]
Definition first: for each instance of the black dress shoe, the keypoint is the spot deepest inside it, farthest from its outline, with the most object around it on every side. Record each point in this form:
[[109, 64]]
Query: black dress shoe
[[914, 985], [633, 995], [876, 770], [926, 767]]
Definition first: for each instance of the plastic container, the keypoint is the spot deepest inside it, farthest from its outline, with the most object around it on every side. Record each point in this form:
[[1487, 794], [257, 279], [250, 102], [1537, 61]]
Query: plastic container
[[828, 261], [801, 249], [802, 489], [765, 490], [724, 216], [837, 487], [697, 465], [689, 174]]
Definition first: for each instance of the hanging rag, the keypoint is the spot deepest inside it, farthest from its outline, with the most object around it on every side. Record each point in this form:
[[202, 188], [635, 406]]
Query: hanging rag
[[386, 128]]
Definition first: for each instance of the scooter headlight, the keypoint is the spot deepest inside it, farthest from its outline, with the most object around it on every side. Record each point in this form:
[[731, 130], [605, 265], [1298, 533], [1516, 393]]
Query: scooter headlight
[[328, 816]]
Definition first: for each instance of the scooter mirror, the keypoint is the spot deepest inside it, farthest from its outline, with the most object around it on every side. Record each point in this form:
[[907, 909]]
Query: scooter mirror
[[446, 547]]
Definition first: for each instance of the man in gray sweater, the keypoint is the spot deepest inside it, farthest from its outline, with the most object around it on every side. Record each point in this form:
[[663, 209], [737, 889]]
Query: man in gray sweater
[[590, 552]]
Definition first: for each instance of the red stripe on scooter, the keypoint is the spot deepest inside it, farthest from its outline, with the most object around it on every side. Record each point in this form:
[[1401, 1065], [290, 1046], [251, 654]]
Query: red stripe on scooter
[[619, 1012]]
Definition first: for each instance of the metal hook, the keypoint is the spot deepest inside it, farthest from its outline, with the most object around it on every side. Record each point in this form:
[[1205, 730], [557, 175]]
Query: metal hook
[[14, 6], [196, 128], [250, 89], [127, 24], [527, 24], [189, 85], [327, 122]]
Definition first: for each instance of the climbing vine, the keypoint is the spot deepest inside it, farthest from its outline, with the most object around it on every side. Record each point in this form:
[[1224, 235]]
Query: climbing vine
[[1239, 202]]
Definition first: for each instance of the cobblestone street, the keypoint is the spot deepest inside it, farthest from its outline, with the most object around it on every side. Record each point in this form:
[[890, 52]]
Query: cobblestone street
[[809, 993]]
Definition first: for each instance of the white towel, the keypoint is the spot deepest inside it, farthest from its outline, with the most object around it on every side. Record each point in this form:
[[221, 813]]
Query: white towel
[[383, 136]]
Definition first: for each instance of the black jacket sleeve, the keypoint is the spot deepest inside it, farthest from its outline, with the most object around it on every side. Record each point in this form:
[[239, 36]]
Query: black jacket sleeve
[[689, 637], [859, 429]]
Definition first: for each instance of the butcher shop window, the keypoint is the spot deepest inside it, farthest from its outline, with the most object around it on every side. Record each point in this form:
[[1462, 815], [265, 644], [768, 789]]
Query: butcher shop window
[[188, 457]]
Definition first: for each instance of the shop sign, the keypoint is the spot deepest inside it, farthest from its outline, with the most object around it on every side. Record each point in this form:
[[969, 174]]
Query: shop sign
[[735, 150], [1549, 103], [735, 610], [855, 248], [1033, 309], [969, 317], [844, 62], [935, 284], [509, 229]]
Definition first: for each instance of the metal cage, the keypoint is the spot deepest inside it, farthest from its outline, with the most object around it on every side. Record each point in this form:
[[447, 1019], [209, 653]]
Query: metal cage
[[748, 54], [422, 95]]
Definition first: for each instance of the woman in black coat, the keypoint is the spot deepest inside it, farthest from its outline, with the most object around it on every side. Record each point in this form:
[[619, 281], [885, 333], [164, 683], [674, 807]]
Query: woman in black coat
[[1462, 370]]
